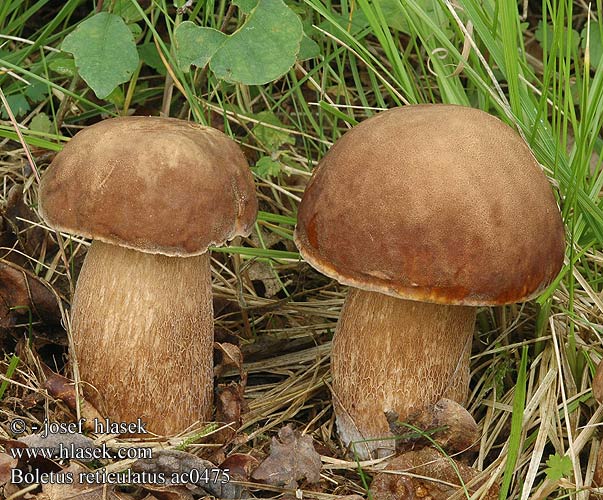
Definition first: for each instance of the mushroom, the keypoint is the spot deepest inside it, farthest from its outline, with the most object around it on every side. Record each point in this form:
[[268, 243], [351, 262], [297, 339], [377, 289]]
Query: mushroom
[[154, 194], [426, 211]]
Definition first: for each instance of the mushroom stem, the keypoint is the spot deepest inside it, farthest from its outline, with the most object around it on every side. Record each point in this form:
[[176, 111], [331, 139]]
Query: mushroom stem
[[142, 326], [397, 355]]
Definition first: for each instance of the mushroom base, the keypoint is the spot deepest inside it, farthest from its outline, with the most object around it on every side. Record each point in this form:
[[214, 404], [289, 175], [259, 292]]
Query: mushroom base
[[395, 355], [142, 328]]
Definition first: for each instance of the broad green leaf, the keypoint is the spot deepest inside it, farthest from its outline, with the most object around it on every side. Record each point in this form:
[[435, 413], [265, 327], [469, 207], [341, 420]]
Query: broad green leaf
[[17, 104], [104, 51], [271, 138], [595, 45], [308, 49], [126, 9], [267, 167], [353, 23], [149, 55], [558, 467], [116, 97], [395, 18], [41, 123], [63, 64], [37, 91], [263, 49], [196, 45], [136, 30], [539, 34], [245, 6]]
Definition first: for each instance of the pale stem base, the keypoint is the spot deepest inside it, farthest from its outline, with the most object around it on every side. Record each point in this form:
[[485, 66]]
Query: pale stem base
[[396, 355]]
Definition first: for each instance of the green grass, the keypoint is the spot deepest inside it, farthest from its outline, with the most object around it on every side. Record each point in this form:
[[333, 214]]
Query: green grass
[[10, 371]]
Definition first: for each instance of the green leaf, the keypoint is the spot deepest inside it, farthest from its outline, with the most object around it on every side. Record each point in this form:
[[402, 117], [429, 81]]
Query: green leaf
[[353, 23], [37, 91], [127, 10], [271, 138], [263, 49], [595, 46], [308, 49], [17, 104], [41, 123], [136, 30], [63, 64], [149, 55], [116, 97], [558, 467], [245, 6], [104, 52], [539, 34], [196, 45], [395, 18], [267, 167]]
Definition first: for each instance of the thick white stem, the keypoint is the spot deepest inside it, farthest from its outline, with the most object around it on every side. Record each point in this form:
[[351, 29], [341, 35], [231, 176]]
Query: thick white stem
[[395, 355], [142, 326]]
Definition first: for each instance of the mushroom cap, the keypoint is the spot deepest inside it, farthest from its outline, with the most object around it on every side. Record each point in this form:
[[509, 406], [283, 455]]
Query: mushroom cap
[[157, 185], [436, 203]]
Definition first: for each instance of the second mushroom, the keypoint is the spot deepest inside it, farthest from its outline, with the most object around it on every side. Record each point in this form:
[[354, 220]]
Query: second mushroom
[[154, 194], [426, 212]]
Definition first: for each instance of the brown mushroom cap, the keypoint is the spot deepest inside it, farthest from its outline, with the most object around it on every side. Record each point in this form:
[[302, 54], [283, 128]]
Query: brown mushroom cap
[[437, 203], [158, 185]]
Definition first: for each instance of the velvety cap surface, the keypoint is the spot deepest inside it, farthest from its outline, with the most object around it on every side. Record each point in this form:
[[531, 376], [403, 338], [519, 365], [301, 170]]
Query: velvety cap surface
[[438, 203], [158, 185]]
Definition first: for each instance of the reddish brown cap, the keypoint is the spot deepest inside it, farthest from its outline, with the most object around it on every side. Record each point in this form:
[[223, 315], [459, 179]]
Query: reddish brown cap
[[437, 203], [157, 185]]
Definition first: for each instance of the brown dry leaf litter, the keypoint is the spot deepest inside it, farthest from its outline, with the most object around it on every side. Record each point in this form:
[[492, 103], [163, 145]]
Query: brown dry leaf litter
[[77, 490], [213, 480], [7, 463], [292, 458], [64, 389], [240, 465], [22, 293], [447, 423], [426, 474], [17, 227]]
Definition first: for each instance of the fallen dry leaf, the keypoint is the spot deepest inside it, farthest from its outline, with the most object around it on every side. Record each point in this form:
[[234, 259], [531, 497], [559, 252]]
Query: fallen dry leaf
[[230, 407], [291, 459], [77, 490], [27, 463], [21, 292], [64, 389], [170, 462], [14, 216], [7, 463], [229, 356], [428, 463], [598, 383], [447, 423], [240, 466], [598, 474], [262, 272], [167, 492]]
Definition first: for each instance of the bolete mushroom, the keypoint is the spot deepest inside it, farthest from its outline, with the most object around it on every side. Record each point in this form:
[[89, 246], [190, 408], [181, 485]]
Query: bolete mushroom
[[154, 194], [426, 211]]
